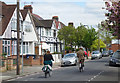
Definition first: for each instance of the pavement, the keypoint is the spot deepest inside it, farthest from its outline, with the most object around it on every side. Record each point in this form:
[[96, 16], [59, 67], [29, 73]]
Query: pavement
[[27, 70]]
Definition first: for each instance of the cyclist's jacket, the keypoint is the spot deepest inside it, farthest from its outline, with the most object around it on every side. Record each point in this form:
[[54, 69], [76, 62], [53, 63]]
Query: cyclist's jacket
[[80, 55]]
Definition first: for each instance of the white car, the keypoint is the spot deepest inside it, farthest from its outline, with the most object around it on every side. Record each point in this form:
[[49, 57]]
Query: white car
[[96, 54], [69, 59]]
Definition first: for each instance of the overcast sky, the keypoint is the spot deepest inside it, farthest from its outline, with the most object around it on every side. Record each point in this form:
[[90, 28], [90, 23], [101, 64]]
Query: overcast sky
[[87, 12]]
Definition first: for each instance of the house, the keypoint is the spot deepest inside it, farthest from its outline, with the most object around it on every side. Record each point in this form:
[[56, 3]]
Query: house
[[29, 38], [47, 33], [8, 30], [114, 45]]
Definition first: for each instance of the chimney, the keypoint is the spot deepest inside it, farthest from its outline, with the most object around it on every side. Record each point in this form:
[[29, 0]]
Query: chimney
[[28, 7], [55, 18], [70, 24]]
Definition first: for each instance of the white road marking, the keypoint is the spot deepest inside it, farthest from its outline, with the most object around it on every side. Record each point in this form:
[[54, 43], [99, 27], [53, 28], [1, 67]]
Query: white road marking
[[95, 76]]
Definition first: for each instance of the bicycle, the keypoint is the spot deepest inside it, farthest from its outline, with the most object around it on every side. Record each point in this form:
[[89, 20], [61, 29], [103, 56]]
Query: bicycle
[[81, 66], [47, 69]]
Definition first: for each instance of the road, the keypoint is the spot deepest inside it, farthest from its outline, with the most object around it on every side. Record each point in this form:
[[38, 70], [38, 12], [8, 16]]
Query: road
[[95, 70]]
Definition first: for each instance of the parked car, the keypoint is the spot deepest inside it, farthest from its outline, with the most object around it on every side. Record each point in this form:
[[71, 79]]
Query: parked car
[[115, 59], [69, 59], [96, 54], [105, 53], [110, 52]]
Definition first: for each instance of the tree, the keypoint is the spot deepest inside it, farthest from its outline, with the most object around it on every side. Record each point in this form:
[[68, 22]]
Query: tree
[[80, 34], [95, 44], [67, 33], [90, 36], [113, 17], [105, 34]]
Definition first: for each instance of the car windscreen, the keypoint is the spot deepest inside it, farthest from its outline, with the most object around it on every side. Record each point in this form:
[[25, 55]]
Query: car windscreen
[[117, 54], [95, 52], [105, 52], [69, 55]]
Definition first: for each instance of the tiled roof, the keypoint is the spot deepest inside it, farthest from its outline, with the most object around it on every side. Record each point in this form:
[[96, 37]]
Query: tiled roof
[[37, 22], [42, 22], [37, 16], [47, 23], [7, 12]]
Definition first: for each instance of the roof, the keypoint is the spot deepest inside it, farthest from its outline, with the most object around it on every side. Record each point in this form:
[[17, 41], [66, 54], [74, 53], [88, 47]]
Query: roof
[[42, 22], [6, 16], [37, 16], [47, 23], [24, 13], [36, 21]]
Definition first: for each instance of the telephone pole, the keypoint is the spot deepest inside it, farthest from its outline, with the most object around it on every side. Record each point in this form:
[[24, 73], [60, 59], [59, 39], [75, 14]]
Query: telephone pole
[[18, 41], [99, 37]]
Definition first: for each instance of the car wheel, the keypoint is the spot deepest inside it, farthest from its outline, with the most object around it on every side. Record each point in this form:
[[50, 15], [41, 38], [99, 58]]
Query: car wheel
[[62, 65], [91, 58], [111, 64]]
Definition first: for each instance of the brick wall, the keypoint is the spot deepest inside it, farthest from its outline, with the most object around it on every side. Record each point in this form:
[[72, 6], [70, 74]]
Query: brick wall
[[114, 47], [30, 61]]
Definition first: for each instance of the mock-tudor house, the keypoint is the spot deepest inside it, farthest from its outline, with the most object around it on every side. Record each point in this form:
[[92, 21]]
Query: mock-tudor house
[[30, 38], [8, 31], [47, 31]]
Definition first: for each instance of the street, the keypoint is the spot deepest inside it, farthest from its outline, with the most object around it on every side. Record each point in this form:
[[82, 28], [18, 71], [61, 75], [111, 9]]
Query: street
[[95, 70]]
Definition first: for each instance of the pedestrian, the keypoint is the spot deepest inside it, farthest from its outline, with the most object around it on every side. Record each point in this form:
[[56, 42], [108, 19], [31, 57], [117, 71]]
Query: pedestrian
[[48, 58]]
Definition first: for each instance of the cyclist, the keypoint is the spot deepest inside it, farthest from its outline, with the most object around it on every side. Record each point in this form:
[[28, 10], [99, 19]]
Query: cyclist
[[80, 55], [48, 58]]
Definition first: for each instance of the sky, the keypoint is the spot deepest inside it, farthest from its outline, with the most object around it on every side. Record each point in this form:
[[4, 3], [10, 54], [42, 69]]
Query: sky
[[87, 12]]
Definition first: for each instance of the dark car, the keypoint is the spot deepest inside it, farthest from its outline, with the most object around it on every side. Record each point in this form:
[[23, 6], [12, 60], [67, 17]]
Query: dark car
[[105, 53], [115, 58], [110, 52]]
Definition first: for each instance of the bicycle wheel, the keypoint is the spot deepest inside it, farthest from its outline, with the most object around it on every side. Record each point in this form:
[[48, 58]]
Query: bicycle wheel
[[45, 74]]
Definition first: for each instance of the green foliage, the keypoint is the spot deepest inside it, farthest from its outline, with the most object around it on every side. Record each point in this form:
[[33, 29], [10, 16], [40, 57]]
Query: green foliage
[[67, 34], [69, 48], [4, 55], [95, 44], [90, 36], [80, 34]]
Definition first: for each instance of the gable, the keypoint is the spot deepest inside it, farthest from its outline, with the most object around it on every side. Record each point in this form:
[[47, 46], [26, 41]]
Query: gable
[[28, 28], [6, 16]]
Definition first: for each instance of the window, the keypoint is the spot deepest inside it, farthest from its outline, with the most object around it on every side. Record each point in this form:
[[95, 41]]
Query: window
[[28, 27], [8, 50], [46, 32], [54, 33], [14, 24], [23, 47], [26, 47], [5, 42], [3, 49], [42, 32], [2, 42], [50, 32]]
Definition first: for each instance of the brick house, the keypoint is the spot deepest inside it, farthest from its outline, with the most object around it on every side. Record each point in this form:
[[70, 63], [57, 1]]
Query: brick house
[[114, 46]]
